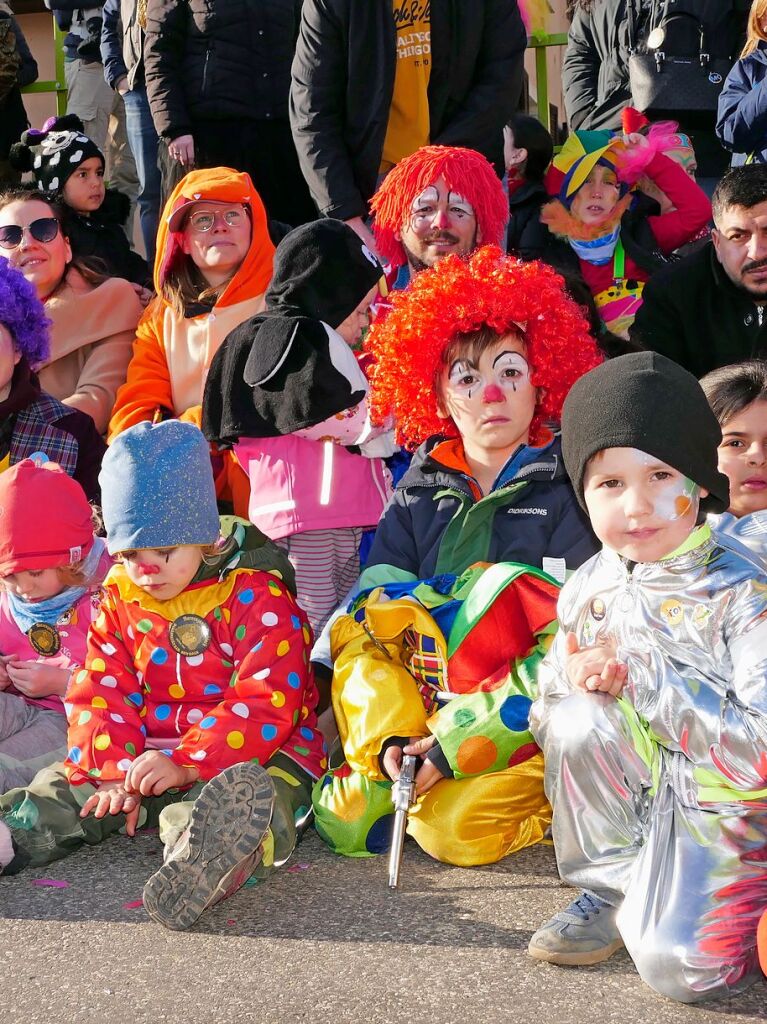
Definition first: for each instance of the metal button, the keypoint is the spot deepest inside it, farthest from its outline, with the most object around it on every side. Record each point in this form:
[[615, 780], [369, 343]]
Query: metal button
[[748, 319]]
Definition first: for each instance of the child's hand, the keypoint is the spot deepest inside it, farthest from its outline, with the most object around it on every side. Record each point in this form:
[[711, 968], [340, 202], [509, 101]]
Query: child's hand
[[153, 772], [36, 679], [428, 774], [144, 295], [392, 759], [5, 661], [636, 140], [111, 798], [594, 669]]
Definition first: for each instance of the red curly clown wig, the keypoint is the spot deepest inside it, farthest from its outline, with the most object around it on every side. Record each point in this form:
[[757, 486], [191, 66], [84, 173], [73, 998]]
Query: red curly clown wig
[[465, 171], [459, 296]]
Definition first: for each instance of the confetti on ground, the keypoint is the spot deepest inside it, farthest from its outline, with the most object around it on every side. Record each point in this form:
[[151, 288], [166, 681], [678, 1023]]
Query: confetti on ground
[[51, 883], [133, 905], [231, 921], [298, 867]]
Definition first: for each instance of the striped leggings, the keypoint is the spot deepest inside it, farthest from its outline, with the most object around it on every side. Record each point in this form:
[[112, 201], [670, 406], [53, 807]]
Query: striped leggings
[[327, 563]]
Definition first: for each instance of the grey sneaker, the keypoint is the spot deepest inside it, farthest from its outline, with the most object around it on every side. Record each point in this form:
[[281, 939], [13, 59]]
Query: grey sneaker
[[583, 933], [218, 852]]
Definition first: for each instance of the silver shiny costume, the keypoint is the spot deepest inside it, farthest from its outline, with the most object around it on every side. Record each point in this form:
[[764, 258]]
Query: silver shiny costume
[[660, 797]]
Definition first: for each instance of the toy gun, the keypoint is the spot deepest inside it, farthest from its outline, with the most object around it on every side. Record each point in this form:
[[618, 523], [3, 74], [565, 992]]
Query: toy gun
[[403, 796]]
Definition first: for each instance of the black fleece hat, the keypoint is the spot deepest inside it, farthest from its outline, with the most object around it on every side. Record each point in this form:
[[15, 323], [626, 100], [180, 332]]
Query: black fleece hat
[[644, 400], [323, 271]]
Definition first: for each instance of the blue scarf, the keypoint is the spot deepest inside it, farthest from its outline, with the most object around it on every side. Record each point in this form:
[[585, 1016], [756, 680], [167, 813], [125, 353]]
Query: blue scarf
[[26, 613], [599, 250]]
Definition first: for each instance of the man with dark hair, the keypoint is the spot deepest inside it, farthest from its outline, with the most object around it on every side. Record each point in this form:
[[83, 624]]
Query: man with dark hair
[[709, 309]]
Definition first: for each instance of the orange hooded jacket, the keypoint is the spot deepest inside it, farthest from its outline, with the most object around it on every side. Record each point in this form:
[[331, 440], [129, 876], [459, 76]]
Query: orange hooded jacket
[[172, 354]]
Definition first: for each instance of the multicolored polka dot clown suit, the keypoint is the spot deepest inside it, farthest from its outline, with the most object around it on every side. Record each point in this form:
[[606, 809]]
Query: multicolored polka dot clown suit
[[246, 695], [457, 658]]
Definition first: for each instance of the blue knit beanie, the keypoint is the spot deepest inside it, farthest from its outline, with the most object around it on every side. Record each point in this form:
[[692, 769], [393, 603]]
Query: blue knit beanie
[[157, 488]]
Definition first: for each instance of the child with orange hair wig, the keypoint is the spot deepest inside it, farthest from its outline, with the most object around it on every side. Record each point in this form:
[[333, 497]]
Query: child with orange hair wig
[[474, 361], [486, 433]]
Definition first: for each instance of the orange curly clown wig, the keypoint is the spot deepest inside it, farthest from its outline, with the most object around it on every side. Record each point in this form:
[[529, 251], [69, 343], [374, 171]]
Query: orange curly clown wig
[[456, 297], [465, 171]]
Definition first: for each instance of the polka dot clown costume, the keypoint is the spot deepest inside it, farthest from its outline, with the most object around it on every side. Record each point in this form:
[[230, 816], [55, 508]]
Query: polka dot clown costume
[[454, 658], [191, 685]]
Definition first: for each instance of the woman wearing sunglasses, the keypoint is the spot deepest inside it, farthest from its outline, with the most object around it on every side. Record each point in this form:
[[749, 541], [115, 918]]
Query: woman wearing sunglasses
[[93, 319], [212, 268]]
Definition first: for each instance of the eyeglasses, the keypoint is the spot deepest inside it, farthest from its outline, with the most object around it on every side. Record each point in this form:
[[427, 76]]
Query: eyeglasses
[[204, 220], [44, 229]]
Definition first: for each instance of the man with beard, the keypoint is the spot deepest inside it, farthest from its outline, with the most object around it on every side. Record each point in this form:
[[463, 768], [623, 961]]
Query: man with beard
[[709, 310], [439, 200]]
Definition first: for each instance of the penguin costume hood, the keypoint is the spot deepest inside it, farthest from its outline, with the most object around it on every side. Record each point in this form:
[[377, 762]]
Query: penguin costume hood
[[287, 369]]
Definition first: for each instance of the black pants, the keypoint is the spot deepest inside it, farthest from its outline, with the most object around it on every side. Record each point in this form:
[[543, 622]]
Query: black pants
[[265, 150]]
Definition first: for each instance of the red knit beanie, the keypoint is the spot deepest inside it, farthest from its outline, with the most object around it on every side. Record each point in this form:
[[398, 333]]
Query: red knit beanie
[[45, 518]]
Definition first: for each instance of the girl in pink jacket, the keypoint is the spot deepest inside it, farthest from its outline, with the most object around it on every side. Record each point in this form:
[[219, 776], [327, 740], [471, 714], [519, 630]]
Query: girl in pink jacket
[[287, 392], [51, 569]]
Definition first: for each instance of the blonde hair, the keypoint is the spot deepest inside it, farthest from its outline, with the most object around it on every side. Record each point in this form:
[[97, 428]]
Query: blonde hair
[[754, 32]]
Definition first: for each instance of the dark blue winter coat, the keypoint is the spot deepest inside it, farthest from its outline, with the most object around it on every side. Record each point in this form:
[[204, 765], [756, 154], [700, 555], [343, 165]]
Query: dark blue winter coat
[[742, 115]]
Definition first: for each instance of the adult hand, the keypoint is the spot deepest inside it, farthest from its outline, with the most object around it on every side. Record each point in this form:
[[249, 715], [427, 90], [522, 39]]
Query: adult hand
[[36, 679], [358, 224], [122, 85], [111, 798], [182, 149], [153, 772], [594, 669], [428, 774]]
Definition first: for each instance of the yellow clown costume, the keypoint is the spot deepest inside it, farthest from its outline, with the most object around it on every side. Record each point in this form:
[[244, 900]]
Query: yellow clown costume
[[455, 658]]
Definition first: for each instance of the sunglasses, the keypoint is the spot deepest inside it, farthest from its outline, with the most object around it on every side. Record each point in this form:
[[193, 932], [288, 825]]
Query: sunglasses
[[44, 229]]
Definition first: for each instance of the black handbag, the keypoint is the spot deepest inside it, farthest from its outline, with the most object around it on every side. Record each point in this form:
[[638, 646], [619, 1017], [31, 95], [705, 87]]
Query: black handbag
[[667, 83]]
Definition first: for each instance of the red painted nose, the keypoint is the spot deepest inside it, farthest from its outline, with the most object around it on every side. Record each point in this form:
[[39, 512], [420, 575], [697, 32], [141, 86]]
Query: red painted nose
[[148, 570], [492, 393]]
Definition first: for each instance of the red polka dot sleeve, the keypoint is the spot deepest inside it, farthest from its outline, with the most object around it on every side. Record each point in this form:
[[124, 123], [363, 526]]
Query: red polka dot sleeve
[[270, 643], [105, 705]]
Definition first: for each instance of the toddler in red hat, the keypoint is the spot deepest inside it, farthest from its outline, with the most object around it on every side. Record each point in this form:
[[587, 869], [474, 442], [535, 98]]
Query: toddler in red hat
[[51, 569]]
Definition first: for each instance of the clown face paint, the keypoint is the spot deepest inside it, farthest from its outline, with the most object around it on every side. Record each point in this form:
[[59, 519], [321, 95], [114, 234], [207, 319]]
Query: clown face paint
[[490, 399], [640, 507], [440, 222]]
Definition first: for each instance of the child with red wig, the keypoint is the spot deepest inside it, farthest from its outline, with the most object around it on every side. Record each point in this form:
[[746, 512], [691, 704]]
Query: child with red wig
[[491, 347], [474, 361]]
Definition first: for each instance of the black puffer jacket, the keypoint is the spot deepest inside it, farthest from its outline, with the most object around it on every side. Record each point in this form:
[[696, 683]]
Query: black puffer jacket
[[595, 76], [223, 59], [343, 80], [692, 313]]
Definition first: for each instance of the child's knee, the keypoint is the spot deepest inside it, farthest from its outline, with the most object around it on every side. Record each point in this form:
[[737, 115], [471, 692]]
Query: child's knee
[[675, 968], [353, 814], [483, 819]]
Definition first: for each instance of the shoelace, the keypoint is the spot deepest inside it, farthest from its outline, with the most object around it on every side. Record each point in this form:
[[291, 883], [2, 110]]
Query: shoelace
[[582, 908]]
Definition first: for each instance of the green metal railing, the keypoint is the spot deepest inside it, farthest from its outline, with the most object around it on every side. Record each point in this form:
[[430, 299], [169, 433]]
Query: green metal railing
[[540, 42], [59, 85]]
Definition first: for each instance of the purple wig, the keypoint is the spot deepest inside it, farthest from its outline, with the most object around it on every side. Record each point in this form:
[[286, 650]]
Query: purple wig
[[23, 314]]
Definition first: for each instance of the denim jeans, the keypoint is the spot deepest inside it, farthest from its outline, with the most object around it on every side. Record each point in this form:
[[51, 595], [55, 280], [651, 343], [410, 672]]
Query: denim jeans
[[143, 142]]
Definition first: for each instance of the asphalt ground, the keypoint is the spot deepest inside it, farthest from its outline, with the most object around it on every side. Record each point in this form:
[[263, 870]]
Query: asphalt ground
[[324, 940]]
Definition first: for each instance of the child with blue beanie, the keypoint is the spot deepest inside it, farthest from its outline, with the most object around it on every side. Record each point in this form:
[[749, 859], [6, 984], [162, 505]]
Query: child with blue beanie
[[195, 706]]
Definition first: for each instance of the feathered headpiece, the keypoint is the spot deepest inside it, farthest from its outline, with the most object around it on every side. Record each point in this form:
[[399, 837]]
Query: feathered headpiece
[[461, 295], [465, 171]]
